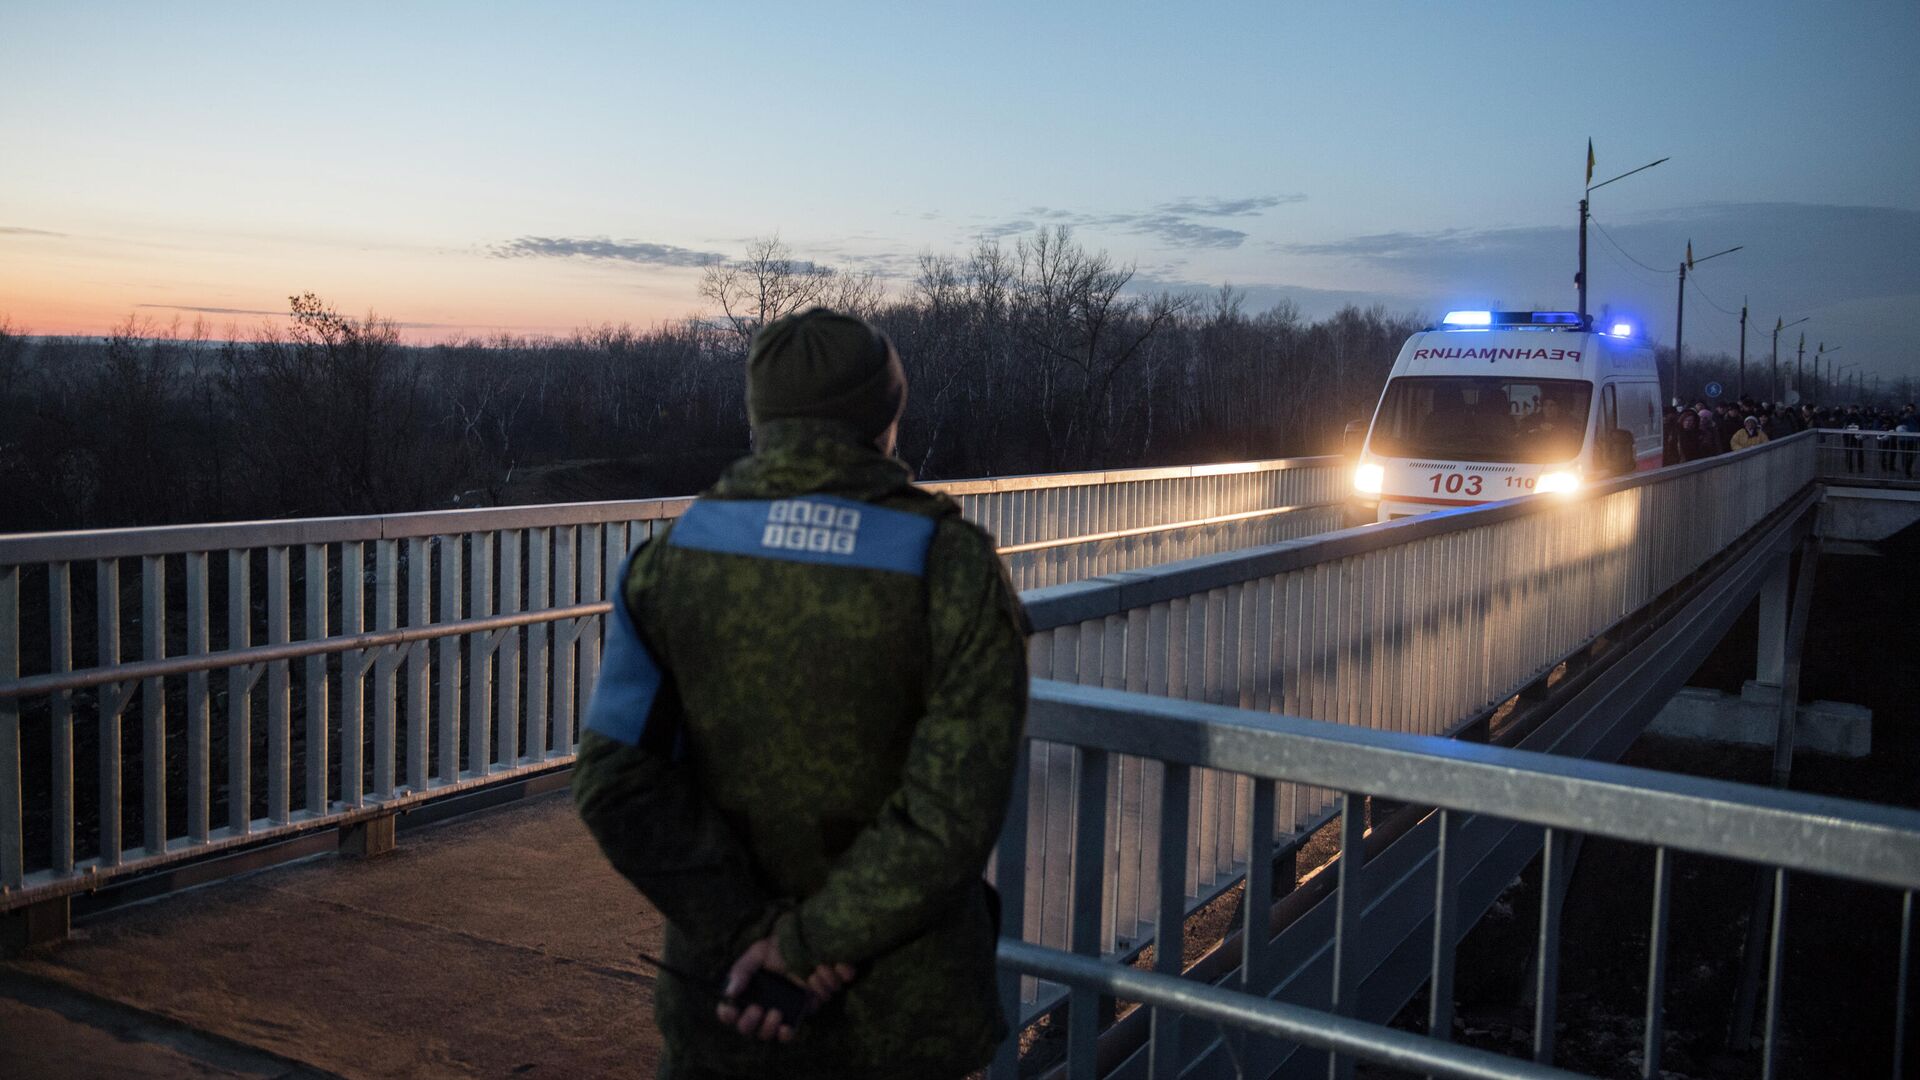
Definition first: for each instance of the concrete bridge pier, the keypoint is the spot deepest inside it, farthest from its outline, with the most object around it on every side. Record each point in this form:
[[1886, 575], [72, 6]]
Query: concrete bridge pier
[[1752, 717]]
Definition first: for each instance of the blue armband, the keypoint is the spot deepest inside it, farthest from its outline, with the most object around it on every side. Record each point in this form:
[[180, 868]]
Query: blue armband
[[629, 684]]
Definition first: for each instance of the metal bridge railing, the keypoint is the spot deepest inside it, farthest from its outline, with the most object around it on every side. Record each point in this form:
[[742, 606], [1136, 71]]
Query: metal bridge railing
[[296, 675], [1476, 789], [1068, 526], [1869, 456], [1414, 626]]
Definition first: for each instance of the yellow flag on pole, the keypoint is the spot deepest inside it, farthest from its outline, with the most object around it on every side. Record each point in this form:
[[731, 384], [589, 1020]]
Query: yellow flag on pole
[[1589, 161], [1689, 254]]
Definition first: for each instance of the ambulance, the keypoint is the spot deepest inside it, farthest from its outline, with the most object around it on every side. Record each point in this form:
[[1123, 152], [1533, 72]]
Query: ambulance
[[1493, 405]]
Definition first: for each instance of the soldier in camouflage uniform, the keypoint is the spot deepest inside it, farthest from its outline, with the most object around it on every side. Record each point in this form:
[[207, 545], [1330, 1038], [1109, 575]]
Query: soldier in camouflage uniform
[[802, 741]]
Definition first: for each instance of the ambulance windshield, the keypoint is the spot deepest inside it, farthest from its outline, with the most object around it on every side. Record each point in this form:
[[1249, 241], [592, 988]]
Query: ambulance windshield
[[1482, 418]]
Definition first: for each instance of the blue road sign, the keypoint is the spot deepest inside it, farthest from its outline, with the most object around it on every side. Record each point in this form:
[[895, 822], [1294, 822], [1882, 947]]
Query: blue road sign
[[1713, 389]]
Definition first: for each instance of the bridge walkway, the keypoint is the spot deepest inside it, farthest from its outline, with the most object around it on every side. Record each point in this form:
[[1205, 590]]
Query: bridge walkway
[[495, 944]]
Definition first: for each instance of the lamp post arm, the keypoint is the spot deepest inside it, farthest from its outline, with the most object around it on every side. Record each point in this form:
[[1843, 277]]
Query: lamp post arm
[[1626, 174]]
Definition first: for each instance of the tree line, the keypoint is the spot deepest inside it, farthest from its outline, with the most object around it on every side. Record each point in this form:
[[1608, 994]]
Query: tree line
[[1030, 357]]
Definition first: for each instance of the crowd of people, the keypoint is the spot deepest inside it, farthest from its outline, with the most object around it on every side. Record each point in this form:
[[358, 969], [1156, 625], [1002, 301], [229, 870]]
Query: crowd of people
[[1702, 430]]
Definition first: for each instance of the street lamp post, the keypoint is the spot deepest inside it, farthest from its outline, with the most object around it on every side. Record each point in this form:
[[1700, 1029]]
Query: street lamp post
[[1819, 388], [1743, 348], [1773, 380], [1580, 278], [1680, 318]]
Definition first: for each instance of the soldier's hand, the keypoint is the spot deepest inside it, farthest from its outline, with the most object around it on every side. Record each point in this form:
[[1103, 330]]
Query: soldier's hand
[[829, 979], [754, 1021]]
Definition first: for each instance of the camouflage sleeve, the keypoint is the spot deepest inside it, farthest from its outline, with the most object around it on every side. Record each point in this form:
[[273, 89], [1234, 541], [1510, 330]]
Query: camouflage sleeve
[[933, 834], [657, 828], [670, 842]]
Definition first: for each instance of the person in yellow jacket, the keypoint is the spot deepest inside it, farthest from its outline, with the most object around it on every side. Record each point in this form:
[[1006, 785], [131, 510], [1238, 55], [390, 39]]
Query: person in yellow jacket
[[803, 736], [1748, 435]]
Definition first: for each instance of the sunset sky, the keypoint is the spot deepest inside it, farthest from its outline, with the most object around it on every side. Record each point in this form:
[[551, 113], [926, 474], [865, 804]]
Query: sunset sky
[[470, 167]]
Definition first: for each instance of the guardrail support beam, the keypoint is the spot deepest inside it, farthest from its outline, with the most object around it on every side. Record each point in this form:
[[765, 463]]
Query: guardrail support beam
[[369, 838], [1770, 667], [44, 922]]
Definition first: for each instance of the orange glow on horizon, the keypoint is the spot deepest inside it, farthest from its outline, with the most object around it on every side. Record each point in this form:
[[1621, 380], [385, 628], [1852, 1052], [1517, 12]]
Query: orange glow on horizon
[[54, 285]]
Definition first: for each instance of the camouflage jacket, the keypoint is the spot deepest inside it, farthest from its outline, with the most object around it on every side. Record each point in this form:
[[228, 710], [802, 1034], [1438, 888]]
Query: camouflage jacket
[[828, 758]]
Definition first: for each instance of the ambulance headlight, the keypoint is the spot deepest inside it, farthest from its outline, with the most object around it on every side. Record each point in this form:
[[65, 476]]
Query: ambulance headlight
[[1557, 481], [1368, 479]]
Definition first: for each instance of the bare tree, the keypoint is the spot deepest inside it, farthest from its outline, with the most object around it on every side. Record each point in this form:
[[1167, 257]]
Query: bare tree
[[765, 285], [1074, 309], [336, 419], [13, 350]]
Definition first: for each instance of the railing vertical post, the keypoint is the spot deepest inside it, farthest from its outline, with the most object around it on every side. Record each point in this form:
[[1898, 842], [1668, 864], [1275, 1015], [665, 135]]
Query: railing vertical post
[[479, 655], [60, 617], [1089, 874], [1349, 903], [1652, 1048], [564, 637], [278, 737], [1903, 961], [240, 683], [419, 613], [353, 674], [506, 655], [1446, 929], [199, 704], [1553, 875], [1010, 880], [539, 566], [1163, 1058], [1776, 963], [1257, 903], [107, 633], [589, 637], [13, 859], [318, 766], [386, 616], [447, 673], [153, 705]]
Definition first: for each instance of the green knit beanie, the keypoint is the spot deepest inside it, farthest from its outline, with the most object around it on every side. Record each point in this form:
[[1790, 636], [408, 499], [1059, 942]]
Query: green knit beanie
[[828, 366]]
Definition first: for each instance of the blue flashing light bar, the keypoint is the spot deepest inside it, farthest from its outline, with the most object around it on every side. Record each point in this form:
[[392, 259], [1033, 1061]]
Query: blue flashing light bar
[[1544, 319], [1621, 329]]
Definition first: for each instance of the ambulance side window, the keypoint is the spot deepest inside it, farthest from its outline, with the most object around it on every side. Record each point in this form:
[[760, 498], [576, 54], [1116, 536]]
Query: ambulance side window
[[1640, 410], [1613, 447]]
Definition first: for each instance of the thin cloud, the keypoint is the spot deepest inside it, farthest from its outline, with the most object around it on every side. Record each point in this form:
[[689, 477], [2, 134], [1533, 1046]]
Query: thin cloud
[[201, 310], [604, 250], [1214, 206], [211, 310], [1008, 228], [21, 230], [1823, 253], [1257, 297], [1172, 223], [1179, 232]]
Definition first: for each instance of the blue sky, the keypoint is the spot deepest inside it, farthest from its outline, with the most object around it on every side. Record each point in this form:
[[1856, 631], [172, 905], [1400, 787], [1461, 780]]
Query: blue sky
[[471, 165]]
